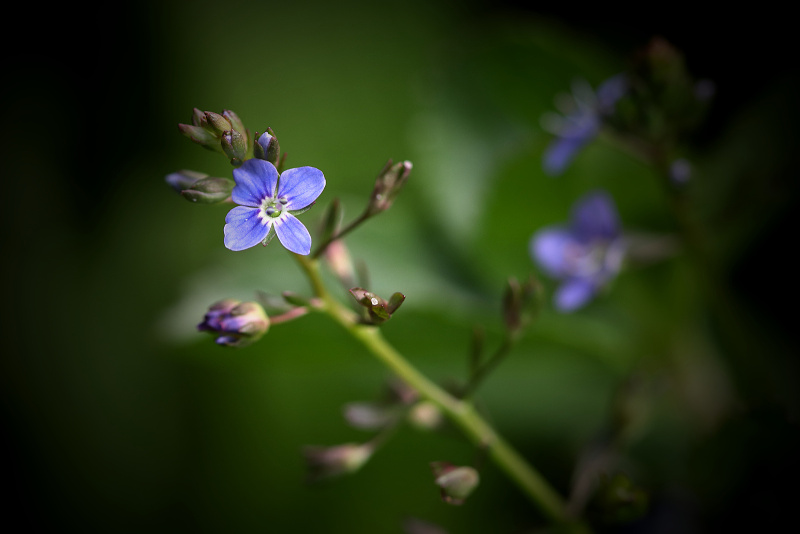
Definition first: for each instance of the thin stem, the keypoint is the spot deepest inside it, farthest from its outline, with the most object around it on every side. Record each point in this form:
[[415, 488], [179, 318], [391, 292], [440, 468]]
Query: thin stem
[[481, 372], [341, 233], [461, 412]]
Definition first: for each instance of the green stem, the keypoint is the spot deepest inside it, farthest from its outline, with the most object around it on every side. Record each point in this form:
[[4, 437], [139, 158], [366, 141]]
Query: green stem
[[461, 412]]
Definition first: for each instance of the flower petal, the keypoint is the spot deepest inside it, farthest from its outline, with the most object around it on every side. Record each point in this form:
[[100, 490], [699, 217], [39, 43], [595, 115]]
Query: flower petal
[[293, 234], [301, 186], [573, 294], [549, 248], [559, 154], [255, 180], [594, 216], [244, 228]]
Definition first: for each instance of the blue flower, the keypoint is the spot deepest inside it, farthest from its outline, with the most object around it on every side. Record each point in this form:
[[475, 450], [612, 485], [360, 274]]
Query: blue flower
[[268, 204], [581, 122], [586, 254]]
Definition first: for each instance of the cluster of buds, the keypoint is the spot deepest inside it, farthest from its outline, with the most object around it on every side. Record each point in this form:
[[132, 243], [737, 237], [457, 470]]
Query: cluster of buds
[[224, 133], [235, 323]]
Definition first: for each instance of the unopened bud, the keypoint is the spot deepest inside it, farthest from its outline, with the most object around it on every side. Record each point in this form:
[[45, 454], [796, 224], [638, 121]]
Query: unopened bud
[[324, 462], [209, 190], [217, 123], [340, 262], [235, 323], [201, 136], [388, 185], [234, 145], [521, 302], [369, 415], [235, 121], [267, 147], [456, 482], [183, 179], [425, 416]]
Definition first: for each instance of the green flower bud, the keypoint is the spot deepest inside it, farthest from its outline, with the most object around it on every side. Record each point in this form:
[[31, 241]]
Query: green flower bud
[[387, 186], [456, 482], [209, 191], [324, 462], [234, 145], [217, 123]]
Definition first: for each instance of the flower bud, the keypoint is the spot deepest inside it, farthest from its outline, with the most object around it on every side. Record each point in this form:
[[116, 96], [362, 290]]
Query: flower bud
[[521, 302], [324, 462], [456, 482], [183, 179], [340, 262], [388, 185], [235, 323], [234, 145], [201, 136], [267, 147], [425, 415], [369, 415], [378, 310], [209, 191], [236, 122], [217, 123]]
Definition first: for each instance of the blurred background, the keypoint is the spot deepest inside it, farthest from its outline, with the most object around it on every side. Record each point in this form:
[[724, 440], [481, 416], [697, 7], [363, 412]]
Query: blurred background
[[117, 416]]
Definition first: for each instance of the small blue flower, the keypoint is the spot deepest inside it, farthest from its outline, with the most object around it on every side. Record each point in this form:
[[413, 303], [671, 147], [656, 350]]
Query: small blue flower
[[581, 121], [585, 255], [268, 203]]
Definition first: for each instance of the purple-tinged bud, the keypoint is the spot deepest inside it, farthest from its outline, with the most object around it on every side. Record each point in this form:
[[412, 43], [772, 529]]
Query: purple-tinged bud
[[209, 191], [378, 310], [236, 122], [199, 118], [183, 179], [217, 123], [201, 136], [235, 323], [234, 145], [267, 147], [680, 171], [425, 415], [456, 482], [325, 462], [388, 184], [340, 262]]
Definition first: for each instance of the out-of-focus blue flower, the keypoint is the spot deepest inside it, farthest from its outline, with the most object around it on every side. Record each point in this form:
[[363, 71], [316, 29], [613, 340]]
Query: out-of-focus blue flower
[[235, 323], [586, 254], [583, 114], [680, 171], [268, 203]]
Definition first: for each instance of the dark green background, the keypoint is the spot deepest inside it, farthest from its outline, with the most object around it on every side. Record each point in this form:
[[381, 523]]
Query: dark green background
[[118, 417]]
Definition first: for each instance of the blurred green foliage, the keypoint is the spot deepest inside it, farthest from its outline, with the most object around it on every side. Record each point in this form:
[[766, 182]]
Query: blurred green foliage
[[121, 418]]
